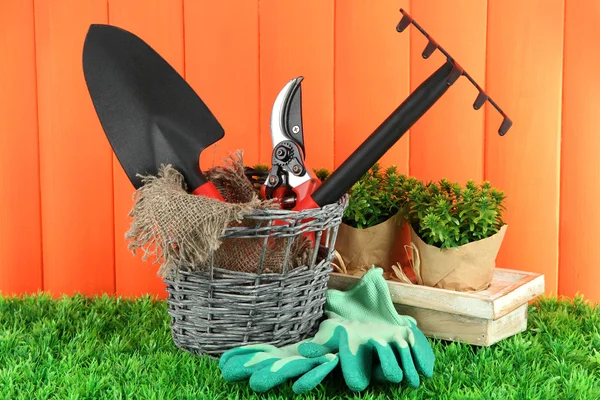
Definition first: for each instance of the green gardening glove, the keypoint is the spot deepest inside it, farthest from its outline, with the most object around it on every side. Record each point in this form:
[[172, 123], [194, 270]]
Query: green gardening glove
[[268, 366], [362, 322]]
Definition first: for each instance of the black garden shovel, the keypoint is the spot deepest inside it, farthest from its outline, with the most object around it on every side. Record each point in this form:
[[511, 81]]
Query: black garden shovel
[[150, 114]]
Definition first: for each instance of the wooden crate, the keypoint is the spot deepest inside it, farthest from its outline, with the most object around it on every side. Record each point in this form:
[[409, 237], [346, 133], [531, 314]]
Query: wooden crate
[[482, 318]]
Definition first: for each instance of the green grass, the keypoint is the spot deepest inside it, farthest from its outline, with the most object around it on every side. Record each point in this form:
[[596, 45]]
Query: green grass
[[109, 348]]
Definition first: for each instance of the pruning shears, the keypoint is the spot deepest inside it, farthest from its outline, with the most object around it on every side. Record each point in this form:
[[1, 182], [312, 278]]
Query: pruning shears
[[290, 180]]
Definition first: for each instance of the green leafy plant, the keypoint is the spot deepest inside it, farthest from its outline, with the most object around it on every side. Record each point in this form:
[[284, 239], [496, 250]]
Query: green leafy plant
[[261, 167], [447, 215], [377, 196], [257, 174], [322, 173]]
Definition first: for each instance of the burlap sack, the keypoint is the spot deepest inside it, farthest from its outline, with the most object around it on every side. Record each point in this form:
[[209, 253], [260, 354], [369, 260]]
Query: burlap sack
[[182, 231], [380, 245], [470, 268]]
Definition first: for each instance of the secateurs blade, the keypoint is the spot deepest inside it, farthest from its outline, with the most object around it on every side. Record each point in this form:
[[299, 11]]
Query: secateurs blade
[[289, 177]]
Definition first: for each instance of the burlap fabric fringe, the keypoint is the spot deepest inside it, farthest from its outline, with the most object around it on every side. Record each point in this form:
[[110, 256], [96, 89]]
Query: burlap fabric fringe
[[182, 231]]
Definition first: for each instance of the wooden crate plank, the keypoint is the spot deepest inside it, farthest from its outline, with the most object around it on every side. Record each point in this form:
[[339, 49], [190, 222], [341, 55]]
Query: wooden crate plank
[[506, 286], [483, 304], [371, 74], [221, 64], [524, 76], [447, 142], [471, 330], [517, 294], [512, 276], [296, 39], [509, 325], [160, 24], [75, 157], [503, 281], [445, 326], [580, 180], [20, 229]]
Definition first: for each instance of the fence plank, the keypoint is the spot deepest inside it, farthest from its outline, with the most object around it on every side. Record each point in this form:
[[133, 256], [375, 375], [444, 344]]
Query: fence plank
[[20, 230], [75, 157], [160, 24], [221, 61], [524, 76], [371, 74], [296, 38], [580, 181], [447, 142]]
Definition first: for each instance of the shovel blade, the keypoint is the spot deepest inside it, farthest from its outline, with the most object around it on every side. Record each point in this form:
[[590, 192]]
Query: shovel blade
[[149, 113]]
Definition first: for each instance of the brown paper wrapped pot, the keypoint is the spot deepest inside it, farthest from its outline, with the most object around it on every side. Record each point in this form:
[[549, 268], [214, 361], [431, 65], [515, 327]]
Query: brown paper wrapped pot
[[469, 268], [381, 245]]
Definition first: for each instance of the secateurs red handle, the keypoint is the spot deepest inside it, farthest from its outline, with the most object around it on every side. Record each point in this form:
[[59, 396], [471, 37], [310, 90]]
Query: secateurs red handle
[[208, 189]]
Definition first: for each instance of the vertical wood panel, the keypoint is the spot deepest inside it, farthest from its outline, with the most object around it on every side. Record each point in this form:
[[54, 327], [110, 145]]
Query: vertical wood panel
[[447, 142], [75, 157], [296, 38], [160, 24], [221, 60], [580, 173], [371, 74], [524, 75], [20, 230]]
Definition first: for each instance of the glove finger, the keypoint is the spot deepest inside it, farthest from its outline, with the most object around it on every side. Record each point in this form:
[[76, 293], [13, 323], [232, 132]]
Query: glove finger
[[282, 370], [356, 362], [388, 363], [315, 376], [422, 353], [311, 350], [406, 362], [243, 350], [378, 374], [326, 341], [242, 366]]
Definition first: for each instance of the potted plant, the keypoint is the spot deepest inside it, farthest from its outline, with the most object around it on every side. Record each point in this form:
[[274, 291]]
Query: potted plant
[[456, 232], [373, 227]]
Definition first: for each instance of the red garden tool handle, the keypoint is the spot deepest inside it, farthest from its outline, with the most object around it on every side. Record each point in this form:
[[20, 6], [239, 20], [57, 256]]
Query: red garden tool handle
[[304, 200], [208, 189]]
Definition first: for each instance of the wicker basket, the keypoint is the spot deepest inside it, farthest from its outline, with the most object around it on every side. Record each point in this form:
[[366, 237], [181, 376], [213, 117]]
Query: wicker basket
[[214, 309]]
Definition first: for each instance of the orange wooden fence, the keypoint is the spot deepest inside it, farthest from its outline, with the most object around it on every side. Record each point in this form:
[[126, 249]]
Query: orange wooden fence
[[64, 198]]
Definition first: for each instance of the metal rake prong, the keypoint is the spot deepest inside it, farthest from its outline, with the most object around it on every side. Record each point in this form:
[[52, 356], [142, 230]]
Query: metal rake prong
[[430, 48], [482, 97], [505, 126], [404, 22]]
